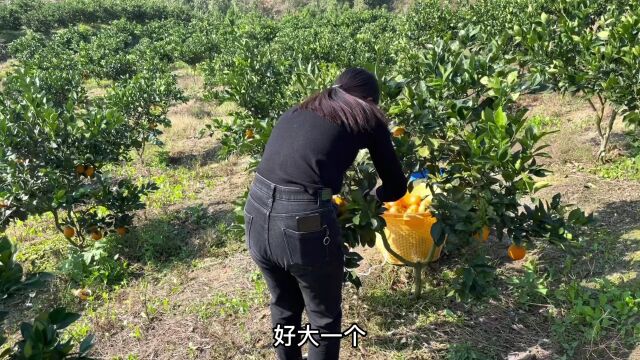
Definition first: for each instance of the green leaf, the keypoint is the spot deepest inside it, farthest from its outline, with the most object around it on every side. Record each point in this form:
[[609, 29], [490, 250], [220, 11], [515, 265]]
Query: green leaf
[[500, 118], [424, 151], [544, 18], [86, 344], [540, 185]]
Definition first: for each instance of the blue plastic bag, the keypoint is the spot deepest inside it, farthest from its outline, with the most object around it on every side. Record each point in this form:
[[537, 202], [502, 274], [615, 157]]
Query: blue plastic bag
[[423, 174]]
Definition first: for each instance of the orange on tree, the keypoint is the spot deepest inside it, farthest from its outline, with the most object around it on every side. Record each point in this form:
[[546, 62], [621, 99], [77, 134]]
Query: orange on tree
[[249, 134], [516, 252], [89, 171], [68, 232], [122, 231], [80, 169], [398, 131], [96, 235], [483, 235]]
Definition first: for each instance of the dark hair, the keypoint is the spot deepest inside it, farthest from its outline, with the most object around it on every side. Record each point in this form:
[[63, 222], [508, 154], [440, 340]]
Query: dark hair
[[352, 101]]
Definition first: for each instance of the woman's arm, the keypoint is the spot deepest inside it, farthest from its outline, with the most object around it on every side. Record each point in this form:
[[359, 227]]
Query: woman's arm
[[394, 182]]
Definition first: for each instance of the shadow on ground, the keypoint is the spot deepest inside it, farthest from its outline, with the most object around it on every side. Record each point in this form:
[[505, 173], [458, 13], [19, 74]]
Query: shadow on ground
[[180, 236], [191, 160]]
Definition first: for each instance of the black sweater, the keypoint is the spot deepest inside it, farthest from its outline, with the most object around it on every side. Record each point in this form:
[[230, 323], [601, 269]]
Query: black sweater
[[308, 151]]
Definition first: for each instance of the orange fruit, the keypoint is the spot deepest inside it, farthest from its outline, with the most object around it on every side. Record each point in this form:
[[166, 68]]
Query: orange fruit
[[82, 294], [484, 235], [413, 200], [122, 231], [68, 232], [424, 205], [404, 201], [90, 170], [80, 169], [249, 134], [96, 235], [398, 131], [413, 209], [516, 252], [395, 210], [339, 200]]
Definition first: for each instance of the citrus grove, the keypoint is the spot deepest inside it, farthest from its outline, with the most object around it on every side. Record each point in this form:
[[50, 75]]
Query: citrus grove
[[86, 95]]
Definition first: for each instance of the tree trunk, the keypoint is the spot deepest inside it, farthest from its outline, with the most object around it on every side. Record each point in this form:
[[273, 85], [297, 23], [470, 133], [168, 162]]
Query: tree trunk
[[605, 135]]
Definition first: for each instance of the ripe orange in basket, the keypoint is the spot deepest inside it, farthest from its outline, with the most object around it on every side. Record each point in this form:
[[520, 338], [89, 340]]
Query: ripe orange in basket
[[413, 200], [395, 210], [404, 201], [516, 252], [413, 209]]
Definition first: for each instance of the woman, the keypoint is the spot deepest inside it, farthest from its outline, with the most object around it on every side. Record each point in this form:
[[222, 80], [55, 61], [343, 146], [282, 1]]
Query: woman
[[291, 227]]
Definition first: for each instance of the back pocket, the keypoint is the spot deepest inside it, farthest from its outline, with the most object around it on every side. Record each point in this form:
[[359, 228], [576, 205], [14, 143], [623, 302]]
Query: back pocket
[[308, 248]]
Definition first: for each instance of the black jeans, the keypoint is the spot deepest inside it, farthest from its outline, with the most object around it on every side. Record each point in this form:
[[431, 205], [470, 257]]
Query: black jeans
[[304, 270]]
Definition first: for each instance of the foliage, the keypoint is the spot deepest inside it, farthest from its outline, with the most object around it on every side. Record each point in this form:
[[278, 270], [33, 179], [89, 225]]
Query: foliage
[[96, 266], [44, 16], [596, 311], [464, 352], [42, 339], [51, 160], [144, 100], [591, 52], [530, 287], [11, 273]]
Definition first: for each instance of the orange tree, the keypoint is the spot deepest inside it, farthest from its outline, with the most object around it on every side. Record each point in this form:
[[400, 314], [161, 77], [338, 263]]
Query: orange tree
[[52, 158], [462, 124], [144, 100], [591, 49]]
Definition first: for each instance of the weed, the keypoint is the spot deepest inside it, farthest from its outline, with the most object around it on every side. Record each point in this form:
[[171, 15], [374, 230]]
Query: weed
[[465, 352], [530, 287], [626, 168], [542, 122], [592, 313]]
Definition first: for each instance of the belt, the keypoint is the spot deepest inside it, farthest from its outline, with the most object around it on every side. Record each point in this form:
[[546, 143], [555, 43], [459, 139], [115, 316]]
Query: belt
[[290, 193]]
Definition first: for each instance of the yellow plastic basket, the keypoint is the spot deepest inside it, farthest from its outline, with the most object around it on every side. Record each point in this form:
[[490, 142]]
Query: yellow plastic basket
[[410, 237]]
